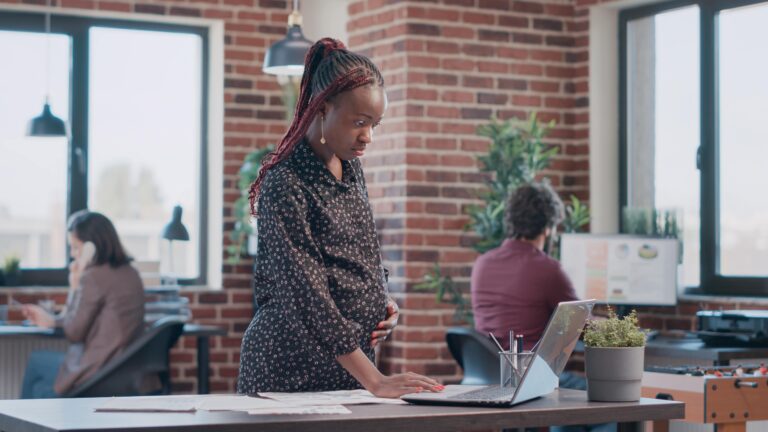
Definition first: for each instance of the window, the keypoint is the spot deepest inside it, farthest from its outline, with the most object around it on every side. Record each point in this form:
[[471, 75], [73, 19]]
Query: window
[[133, 95], [33, 198], [692, 92]]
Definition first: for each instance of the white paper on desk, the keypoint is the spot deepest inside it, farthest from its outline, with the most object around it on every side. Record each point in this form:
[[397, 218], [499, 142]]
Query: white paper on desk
[[340, 397], [236, 403], [309, 409], [150, 404]]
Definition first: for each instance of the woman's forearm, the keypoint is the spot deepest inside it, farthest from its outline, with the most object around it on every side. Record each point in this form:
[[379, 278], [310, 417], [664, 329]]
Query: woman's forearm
[[360, 367]]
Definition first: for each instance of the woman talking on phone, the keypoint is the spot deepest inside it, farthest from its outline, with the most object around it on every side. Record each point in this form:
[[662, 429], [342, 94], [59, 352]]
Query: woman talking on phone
[[103, 314]]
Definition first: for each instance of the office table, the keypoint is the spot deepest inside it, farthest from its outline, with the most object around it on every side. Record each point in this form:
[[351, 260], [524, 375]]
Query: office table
[[560, 407], [201, 332]]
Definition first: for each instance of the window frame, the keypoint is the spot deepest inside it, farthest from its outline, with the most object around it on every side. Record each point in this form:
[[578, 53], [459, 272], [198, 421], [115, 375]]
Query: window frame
[[78, 28], [707, 161]]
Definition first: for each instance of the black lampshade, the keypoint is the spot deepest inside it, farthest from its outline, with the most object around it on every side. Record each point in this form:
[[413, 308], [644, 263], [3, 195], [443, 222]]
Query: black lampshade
[[175, 230], [286, 56], [46, 124]]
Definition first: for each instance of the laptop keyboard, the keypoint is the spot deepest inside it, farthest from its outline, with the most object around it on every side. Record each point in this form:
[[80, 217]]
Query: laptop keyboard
[[487, 393]]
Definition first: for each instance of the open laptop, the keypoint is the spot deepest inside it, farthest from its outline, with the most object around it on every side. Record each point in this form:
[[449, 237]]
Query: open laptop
[[541, 378]]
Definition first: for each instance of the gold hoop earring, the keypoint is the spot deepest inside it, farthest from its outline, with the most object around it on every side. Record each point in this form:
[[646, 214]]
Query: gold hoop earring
[[322, 131]]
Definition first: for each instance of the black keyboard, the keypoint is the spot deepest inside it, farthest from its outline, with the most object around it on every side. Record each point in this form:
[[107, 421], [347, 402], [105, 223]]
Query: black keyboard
[[491, 393]]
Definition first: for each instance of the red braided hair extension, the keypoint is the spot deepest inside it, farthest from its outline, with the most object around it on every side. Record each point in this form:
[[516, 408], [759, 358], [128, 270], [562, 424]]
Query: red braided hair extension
[[307, 107]]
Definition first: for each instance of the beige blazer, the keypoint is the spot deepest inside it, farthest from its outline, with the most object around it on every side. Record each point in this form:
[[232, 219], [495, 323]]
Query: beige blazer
[[105, 314]]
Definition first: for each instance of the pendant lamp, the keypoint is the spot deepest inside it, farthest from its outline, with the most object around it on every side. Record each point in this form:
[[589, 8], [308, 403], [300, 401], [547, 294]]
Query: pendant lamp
[[286, 56], [47, 124]]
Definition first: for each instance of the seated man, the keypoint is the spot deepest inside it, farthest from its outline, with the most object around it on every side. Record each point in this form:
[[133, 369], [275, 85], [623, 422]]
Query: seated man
[[517, 286], [104, 311]]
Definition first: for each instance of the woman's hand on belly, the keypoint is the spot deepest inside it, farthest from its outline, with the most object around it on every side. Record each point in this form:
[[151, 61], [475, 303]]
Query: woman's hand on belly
[[384, 328]]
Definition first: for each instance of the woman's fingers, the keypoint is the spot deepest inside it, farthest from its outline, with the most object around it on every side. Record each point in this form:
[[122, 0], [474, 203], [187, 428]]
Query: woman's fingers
[[416, 380], [380, 334], [422, 377]]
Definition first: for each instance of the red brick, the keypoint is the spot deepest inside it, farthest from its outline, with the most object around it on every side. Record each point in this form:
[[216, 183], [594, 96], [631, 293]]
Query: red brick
[[114, 6], [478, 18], [418, 320], [458, 64], [458, 32], [78, 4], [528, 7], [443, 112], [513, 21], [442, 208], [527, 101]]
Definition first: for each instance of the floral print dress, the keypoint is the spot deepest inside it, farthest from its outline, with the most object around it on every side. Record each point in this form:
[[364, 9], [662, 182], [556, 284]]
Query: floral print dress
[[319, 282]]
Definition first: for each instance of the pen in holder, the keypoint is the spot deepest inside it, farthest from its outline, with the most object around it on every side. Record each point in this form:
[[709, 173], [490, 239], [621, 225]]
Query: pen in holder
[[512, 366]]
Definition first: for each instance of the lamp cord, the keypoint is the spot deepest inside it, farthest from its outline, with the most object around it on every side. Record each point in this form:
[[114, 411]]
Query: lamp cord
[[47, 52]]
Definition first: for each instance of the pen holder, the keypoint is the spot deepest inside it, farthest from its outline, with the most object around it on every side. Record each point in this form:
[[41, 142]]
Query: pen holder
[[512, 366]]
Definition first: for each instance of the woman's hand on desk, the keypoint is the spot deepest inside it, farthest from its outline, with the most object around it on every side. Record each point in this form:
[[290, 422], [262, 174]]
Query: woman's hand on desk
[[394, 386], [38, 316], [384, 328]]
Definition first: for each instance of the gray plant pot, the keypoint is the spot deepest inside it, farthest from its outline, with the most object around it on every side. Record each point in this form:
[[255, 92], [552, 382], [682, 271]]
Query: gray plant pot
[[614, 374]]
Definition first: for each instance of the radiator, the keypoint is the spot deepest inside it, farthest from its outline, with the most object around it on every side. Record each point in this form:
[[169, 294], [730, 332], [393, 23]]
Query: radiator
[[14, 352]]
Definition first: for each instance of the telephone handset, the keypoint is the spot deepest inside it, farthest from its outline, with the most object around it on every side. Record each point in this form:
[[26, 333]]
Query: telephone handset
[[87, 253]]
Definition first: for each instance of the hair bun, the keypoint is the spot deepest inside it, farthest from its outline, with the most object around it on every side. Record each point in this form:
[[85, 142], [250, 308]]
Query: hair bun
[[331, 45]]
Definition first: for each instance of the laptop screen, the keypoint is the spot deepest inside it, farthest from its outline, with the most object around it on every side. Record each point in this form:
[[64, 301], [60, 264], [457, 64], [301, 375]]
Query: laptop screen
[[554, 348]]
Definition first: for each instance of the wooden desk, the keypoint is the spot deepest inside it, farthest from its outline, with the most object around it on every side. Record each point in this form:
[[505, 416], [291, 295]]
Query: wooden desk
[[55, 341], [694, 349], [560, 407]]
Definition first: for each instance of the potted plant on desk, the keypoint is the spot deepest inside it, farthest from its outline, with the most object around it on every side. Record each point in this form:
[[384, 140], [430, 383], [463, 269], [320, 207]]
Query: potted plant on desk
[[12, 270], [614, 356]]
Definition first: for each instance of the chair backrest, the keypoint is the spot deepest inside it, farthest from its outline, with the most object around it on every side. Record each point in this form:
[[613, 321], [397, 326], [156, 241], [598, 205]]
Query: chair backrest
[[476, 354], [142, 368]]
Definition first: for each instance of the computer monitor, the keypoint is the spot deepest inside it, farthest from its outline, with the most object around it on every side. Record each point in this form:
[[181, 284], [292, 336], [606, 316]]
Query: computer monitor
[[622, 269]]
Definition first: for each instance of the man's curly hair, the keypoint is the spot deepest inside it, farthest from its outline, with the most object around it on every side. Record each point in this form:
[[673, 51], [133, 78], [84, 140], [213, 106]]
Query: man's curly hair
[[532, 208]]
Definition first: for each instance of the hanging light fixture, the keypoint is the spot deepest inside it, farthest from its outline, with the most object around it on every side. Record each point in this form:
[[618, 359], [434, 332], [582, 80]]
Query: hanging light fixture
[[286, 56], [47, 124]]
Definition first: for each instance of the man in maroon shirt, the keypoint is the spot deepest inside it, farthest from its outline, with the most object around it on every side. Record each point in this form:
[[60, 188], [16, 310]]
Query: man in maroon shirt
[[517, 286]]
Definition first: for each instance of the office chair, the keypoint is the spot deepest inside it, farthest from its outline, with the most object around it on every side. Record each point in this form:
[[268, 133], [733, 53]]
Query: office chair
[[475, 353], [142, 368]]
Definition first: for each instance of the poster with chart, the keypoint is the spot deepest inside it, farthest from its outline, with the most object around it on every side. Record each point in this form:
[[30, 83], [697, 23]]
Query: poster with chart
[[622, 269]]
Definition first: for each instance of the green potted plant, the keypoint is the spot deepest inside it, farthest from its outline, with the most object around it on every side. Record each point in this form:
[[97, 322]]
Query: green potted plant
[[614, 355], [243, 235], [12, 270]]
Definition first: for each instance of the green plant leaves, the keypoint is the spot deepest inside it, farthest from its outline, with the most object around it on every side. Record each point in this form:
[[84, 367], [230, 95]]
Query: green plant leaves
[[443, 286], [241, 208], [614, 332], [516, 156]]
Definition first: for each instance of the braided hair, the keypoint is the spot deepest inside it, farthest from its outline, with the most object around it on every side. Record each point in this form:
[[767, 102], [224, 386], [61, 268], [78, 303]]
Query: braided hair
[[329, 69]]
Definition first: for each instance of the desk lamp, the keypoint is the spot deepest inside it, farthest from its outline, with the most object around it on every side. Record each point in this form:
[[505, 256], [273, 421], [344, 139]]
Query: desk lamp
[[174, 230]]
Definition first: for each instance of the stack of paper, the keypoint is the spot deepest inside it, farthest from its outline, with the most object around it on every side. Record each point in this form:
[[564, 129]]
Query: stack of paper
[[339, 397], [150, 404], [268, 403]]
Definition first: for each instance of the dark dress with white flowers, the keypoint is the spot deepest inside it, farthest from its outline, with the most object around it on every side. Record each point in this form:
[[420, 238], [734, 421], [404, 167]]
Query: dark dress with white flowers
[[319, 281]]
